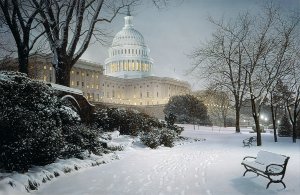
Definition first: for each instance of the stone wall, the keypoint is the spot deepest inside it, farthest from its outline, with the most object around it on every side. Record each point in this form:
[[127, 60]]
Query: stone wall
[[151, 110]]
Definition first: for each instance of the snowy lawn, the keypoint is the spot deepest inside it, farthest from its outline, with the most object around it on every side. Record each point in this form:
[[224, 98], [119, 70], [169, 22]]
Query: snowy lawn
[[208, 167]]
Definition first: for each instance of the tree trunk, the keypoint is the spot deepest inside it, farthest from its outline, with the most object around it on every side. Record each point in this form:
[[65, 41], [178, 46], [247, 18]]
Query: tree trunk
[[256, 120], [23, 61], [274, 122], [62, 73], [237, 119]]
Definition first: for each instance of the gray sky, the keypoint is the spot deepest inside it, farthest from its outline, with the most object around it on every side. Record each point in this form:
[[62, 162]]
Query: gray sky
[[174, 32]]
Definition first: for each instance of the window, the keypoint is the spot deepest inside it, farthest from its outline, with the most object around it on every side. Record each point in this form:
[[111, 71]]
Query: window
[[45, 78], [87, 74], [45, 67], [77, 83], [157, 94], [141, 95], [82, 84], [97, 86], [50, 68], [125, 51], [128, 51], [77, 73], [72, 71], [147, 93], [82, 74], [72, 83], [107, 94]]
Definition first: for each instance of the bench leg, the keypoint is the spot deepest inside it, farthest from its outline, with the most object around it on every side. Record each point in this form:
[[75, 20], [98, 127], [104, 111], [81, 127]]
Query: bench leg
[[275, 181], [249, 170]]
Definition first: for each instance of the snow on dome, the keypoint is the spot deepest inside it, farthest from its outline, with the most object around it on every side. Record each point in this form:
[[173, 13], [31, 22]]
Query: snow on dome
[[128, 35]]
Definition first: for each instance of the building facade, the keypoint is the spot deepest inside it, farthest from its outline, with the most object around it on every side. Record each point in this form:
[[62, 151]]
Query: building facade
[[125, 79]]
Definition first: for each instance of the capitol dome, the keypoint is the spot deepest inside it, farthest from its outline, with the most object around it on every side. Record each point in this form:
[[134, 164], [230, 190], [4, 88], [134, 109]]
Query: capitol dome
[[128, 36], [128, 54]]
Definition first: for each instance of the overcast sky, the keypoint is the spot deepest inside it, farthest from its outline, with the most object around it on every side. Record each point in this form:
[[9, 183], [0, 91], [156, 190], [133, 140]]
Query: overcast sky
[[174, 32]]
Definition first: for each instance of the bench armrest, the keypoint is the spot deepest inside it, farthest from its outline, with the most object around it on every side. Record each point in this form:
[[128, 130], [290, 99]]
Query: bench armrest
[[249, 157], [276, 167]]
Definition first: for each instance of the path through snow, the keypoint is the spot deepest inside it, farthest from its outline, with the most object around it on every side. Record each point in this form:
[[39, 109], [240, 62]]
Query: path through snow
[[205, 167]]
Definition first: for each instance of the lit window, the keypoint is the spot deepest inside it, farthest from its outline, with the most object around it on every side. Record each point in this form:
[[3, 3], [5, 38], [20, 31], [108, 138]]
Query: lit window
[[82, 74], [45, 78], [72, 72], [92, 75], [72, 82], [45, 67], [97, 76], [50, 68], [92, 86], [97, 86], [87, 86]]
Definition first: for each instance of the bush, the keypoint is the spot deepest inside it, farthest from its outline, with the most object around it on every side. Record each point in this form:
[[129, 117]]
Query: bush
[[30, 123], [168, 137], [157, 137], [151, 138], [80, 138], [128, 122]]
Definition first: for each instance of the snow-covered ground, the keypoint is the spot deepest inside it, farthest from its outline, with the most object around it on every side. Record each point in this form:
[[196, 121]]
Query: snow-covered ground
[[205, 167]]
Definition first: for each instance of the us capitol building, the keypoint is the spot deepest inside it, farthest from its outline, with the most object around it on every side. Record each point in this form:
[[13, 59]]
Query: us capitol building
[[125, 79]]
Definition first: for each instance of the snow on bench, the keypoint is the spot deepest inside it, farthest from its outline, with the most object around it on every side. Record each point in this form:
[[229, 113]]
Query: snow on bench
[[267, 164]]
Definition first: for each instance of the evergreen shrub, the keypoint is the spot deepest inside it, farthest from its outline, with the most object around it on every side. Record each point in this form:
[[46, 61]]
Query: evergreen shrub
[[30, 123]]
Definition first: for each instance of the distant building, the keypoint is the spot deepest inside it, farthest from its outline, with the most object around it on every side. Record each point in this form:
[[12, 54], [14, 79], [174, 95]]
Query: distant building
[[127, 78]]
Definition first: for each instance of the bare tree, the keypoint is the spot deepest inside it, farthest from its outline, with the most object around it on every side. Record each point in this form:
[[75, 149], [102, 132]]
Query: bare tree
[[69, 27], [277, 104], [221, 60], [292, 99], [20, 18], [260, 47]]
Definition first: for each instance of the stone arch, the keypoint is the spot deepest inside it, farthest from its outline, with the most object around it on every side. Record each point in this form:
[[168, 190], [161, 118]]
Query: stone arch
[[73, 101]]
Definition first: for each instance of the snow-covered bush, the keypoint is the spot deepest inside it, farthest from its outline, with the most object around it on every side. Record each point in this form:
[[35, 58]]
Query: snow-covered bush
[[157, 137], [152, 138], [128, 122], [168, 137], [30, 123], [79, 138]]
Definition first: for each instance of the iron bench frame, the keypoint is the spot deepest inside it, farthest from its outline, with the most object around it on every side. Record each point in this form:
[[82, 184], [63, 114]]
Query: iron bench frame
[[268, 173], [248, 141]]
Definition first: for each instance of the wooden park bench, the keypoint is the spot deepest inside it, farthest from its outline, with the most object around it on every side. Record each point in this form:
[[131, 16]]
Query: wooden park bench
[[248, 142], [267, 164]]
